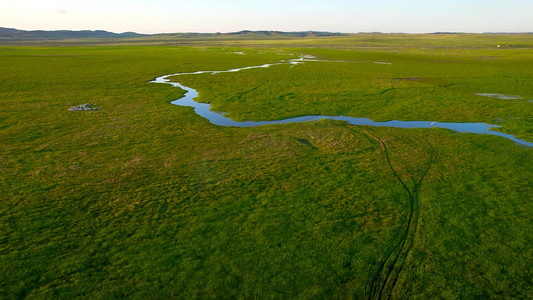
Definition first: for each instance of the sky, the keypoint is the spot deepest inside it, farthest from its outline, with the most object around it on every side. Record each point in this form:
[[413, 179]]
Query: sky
[[351, 16]]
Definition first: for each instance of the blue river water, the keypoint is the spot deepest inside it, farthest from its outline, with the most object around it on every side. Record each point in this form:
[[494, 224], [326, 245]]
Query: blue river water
[[204, 110]]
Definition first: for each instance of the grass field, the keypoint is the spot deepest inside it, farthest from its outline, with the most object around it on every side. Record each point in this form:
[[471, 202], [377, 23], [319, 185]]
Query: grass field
[[146, 199]]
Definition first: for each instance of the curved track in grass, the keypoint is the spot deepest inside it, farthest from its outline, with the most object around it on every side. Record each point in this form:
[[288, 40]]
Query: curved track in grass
[[382, 283]]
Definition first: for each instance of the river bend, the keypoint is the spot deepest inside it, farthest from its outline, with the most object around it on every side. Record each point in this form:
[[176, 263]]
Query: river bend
[[203, 110]]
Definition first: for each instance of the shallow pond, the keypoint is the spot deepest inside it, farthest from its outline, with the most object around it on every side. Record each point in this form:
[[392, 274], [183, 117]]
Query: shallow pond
[[500, 96]]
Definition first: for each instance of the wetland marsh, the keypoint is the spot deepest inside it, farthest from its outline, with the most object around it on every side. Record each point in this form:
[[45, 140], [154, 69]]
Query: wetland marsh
[[143, 198], [204, 109]]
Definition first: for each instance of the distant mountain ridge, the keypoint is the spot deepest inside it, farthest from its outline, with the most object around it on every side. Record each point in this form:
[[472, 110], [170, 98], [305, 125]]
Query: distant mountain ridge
[[285, 33], [12, 33]]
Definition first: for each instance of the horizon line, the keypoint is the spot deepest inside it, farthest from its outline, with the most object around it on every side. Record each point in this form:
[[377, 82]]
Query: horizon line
[[281, 31]]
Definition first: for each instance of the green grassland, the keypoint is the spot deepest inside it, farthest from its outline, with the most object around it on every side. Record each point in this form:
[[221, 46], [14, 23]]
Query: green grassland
[[145, 199], [429, 87]]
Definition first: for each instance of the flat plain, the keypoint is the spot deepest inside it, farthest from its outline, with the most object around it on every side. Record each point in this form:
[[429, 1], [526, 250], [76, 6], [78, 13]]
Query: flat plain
[[143, 198]]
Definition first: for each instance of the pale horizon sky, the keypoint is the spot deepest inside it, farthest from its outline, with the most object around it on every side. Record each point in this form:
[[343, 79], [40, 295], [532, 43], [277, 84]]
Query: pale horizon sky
[[169, 16]]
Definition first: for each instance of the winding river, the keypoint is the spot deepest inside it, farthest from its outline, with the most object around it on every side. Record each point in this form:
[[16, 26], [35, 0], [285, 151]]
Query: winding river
[[203, 110]]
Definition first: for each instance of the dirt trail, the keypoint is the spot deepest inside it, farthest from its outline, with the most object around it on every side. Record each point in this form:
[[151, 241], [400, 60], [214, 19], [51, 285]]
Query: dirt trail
[[382, 282]]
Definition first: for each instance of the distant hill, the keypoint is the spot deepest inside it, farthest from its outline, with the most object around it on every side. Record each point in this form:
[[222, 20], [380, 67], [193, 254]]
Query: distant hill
[[11, 33], [284, 33], [16, 34]]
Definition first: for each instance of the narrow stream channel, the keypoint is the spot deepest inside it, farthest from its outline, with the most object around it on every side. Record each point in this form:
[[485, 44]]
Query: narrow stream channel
[[204, 110]]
